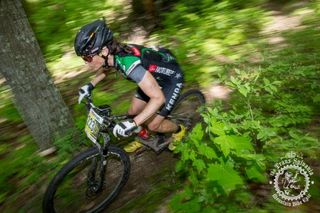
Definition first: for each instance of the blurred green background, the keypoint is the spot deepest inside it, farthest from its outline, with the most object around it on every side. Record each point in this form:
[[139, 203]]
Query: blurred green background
[[266, 52]]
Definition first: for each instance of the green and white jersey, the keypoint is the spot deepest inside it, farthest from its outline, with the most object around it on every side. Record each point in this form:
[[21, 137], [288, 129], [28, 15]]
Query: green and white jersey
[[126, 64], [161, 64]]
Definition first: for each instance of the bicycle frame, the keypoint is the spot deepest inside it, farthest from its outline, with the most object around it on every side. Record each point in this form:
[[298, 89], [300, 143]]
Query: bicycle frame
[[94, 185], [109, 123]]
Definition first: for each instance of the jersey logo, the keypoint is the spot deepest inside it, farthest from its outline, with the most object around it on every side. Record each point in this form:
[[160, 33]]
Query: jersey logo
[[152, 68], [135, 51]]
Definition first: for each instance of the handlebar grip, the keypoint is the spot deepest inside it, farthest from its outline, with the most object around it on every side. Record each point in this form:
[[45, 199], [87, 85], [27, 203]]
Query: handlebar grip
[[133, 130], [128, 131]]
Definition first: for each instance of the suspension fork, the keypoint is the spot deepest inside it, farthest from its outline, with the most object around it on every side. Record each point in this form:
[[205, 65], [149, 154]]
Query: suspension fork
[[98, 166]]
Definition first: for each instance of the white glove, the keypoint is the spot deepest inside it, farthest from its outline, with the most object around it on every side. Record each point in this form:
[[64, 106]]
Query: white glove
[[124, 128], [85, 91]]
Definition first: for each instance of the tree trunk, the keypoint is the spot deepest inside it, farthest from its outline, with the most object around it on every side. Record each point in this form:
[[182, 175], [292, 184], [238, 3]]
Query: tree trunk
[[146, 8], [23, 66]]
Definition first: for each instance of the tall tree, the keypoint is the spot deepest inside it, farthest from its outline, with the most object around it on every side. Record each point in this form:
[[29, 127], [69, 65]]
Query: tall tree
[[147, 8], [23, 66]]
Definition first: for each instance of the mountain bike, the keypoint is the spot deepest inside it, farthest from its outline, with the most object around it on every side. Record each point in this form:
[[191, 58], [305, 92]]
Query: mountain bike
[[92, 179]]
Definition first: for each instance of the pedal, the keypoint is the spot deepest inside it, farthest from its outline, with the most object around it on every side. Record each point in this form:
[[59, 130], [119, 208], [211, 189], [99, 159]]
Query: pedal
[[157, 143], [163, 142], [150, 142]]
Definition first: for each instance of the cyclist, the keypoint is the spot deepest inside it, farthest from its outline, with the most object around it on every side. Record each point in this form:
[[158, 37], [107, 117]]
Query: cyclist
[[156, 72]]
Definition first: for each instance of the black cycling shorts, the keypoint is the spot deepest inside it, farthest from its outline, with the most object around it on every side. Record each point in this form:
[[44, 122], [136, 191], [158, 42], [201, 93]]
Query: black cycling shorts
[[171, 89]]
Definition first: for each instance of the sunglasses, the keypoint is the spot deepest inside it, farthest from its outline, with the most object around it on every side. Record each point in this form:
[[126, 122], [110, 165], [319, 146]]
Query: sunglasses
[[87, 58]]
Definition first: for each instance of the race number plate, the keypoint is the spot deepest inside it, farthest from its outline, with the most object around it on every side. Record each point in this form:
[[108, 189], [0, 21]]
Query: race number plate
[[93, 125]]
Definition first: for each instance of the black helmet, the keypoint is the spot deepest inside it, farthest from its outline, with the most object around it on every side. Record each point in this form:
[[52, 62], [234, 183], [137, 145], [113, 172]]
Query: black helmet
[[92, 37]]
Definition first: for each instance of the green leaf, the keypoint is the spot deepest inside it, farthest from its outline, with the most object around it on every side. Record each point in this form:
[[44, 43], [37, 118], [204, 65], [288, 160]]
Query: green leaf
[[259, 159], [193, 178], [197, 133], [273, 88], [180, 166], [193, 155], [266, 133], [234, 81], [217, 127], [182, 202], [233, 142], [237, 71], [244, 197], [225, 176], [316, 99], [206, 151], [254, 173], [192, 206], [199, 164], [209, 209], [266, 81], [210, 153], [224, 143], [241, 143], [187, 193], [185, 155], [176, 202], [243, 90]]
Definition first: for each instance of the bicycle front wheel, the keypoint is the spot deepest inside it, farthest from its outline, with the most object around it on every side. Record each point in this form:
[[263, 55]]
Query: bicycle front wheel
[[77, 186], [188, 107]]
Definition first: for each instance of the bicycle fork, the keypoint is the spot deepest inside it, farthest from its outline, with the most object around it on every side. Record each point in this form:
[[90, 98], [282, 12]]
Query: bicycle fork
[[97, 170]]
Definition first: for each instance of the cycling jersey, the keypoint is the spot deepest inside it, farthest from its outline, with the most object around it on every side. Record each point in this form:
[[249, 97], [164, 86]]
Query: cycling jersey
[[160, 63]]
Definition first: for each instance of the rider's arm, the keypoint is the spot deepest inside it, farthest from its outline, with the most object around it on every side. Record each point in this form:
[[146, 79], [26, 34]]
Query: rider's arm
[[150, 87], [100, 75]]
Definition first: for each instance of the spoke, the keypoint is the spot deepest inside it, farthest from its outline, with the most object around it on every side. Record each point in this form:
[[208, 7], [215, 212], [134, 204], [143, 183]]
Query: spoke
[[82, 190]]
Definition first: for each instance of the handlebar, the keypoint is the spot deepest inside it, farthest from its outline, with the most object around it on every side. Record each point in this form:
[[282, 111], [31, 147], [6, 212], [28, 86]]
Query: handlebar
[[104, 111]]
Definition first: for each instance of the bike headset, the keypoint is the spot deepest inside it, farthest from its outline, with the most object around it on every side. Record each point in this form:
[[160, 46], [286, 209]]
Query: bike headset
[[91, 38]]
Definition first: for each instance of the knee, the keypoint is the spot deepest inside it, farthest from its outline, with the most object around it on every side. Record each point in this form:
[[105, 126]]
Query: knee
[[153, 126], [131, 111]]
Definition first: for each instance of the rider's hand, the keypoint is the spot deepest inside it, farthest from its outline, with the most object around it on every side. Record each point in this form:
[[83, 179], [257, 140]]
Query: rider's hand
[[85, 91], [124, 128]]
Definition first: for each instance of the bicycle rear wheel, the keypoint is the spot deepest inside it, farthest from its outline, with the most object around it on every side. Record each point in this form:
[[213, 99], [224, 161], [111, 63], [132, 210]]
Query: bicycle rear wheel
[[188, 108], [74, 188]]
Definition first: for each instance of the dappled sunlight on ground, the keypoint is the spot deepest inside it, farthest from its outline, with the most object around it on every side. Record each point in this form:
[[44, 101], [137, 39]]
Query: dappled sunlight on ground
[[217, 92], [284, 21]]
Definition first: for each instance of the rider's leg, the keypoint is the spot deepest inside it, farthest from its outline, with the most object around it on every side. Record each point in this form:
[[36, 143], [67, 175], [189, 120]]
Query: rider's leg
[[162, 125], [137, 105], [157, 123]]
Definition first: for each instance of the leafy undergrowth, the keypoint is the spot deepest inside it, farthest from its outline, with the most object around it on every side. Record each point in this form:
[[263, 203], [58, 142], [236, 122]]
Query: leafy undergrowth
[[205, 35], [274, 109]]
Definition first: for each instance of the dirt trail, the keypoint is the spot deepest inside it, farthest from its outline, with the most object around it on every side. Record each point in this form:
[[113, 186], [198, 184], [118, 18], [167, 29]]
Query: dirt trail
[[282, 21], [150, 173]]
